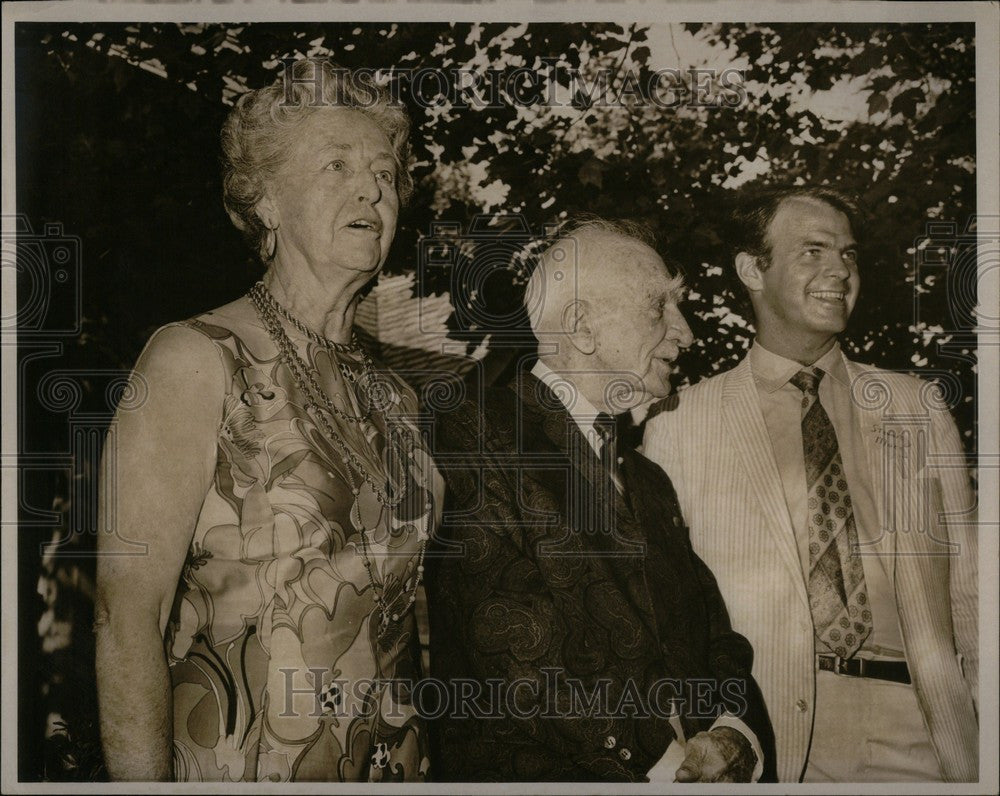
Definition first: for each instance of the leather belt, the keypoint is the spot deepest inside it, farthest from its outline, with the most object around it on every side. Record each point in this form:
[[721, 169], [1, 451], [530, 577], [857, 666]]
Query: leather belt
[[894, 671]]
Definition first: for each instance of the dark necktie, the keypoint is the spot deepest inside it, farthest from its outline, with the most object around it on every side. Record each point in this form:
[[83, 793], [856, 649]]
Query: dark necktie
[[838, 598], [628, 432], [607, 430]]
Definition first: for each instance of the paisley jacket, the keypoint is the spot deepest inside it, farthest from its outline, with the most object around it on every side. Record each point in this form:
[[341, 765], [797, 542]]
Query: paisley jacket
[[567, 620]]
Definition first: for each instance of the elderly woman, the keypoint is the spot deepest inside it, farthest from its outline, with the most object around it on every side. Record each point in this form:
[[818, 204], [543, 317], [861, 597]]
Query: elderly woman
[[268, 498]]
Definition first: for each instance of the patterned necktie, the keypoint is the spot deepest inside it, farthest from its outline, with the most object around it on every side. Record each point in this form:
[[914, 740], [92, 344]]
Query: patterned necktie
[[838, 598]]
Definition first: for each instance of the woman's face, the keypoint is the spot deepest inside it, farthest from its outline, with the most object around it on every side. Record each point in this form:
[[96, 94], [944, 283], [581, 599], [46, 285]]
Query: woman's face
[[334, 199]]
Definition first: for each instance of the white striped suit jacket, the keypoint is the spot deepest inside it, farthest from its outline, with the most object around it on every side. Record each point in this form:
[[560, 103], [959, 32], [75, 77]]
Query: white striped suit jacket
[[716, 450]]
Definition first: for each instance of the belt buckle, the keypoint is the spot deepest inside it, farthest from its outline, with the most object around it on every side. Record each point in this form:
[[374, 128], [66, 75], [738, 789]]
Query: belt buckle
[[840, 666]]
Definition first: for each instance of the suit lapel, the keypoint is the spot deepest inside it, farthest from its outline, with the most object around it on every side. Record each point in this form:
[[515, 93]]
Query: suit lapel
[[883, 465], [541, 406], [745, 425], [621, 552]]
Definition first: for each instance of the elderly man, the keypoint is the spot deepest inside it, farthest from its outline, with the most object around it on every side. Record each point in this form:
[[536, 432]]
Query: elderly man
[[845, 552], [578, 635]]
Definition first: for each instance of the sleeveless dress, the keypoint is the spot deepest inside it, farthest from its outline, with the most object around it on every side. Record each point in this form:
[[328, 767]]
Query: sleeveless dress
[[282, 668]]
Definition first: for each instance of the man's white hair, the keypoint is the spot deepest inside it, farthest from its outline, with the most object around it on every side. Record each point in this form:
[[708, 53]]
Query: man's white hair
[[570, 269]]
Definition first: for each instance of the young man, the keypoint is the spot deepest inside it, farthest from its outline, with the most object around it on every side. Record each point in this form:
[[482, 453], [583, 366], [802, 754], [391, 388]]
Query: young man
[[825, 497]]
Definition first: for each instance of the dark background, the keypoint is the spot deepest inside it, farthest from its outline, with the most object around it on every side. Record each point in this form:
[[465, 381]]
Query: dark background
[[117, 144]]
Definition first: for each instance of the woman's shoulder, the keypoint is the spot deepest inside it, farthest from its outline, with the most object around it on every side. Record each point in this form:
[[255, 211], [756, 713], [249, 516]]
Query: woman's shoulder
[[234, 329], [204, 346], [235, 319], [179, 377], [179, 350]]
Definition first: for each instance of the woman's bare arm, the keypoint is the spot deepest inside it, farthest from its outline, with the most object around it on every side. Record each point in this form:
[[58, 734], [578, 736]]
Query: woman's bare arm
[[158, 465]]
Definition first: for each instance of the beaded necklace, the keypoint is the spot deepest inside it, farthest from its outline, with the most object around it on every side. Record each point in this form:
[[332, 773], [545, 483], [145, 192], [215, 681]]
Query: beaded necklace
[[267, 305], [319, 406]]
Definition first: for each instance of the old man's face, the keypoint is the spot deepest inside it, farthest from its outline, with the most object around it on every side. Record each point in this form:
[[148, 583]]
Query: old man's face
[[638, 326]]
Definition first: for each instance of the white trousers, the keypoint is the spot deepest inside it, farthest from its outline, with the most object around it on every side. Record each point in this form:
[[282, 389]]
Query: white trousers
[[868, 730]]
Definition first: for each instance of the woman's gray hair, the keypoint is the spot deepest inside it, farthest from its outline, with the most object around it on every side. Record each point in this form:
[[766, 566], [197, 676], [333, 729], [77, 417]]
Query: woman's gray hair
[[256, 134]]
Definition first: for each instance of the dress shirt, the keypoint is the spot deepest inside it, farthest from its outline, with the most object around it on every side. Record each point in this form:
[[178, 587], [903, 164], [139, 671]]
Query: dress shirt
[[781, 404], [584, 414]]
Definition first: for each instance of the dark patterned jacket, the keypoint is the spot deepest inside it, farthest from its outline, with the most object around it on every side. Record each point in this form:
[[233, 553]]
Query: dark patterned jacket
[[568, 615]]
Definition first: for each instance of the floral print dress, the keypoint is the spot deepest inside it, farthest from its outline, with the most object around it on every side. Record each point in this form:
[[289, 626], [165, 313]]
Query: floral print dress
[[282, 667]]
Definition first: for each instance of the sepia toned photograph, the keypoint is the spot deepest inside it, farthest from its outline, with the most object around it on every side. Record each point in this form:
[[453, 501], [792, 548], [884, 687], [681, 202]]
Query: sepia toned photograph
[[540, 397]]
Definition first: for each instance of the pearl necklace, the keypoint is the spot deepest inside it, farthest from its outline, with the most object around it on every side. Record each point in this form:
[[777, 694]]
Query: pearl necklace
[[306, 379]]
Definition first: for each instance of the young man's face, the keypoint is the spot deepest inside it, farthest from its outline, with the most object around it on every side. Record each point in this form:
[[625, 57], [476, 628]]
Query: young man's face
[[811, 285]]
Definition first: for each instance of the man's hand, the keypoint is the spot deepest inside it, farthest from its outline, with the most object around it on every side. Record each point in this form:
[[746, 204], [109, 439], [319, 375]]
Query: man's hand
[[720, 755]]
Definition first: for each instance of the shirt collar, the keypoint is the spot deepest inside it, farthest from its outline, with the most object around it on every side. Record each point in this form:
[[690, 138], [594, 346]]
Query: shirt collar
[[772, 371], [580, 409]]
